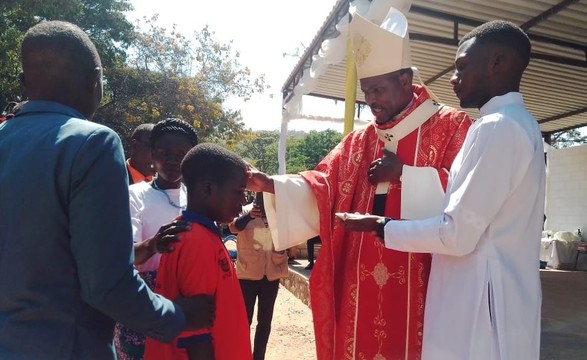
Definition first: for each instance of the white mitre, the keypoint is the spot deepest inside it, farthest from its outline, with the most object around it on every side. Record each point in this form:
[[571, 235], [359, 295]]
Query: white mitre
[[380, 49]]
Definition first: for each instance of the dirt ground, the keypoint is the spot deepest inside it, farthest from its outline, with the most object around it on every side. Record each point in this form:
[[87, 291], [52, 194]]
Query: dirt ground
[[292, 334]]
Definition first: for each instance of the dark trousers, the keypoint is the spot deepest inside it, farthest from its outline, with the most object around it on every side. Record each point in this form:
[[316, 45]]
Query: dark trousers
[[266, 292], [310, 247]]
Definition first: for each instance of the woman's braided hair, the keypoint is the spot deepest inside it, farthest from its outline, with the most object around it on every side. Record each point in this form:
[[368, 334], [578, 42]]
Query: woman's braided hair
[[173, 126]]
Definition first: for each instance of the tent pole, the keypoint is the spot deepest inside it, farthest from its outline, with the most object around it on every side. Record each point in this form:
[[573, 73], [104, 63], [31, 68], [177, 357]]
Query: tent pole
[[282, 145], [350, 89]]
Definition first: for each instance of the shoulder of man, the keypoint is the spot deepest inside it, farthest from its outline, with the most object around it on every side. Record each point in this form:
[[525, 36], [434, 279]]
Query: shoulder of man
[[449, 112], [359, 134]]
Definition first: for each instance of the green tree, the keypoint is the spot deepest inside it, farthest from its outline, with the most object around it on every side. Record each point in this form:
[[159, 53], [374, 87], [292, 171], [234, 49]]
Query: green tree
[[568, 138], [306, 152], [103, 20], [260, 150]]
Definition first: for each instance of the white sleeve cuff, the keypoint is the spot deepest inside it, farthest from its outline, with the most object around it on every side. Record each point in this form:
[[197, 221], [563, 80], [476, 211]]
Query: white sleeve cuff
[[292, 213], [421, 236]]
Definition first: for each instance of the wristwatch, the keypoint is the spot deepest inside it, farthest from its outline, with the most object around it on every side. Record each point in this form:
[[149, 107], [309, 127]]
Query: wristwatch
[[381, 228]]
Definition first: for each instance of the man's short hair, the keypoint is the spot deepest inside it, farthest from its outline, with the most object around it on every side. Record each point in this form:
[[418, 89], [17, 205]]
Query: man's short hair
[[62, 44], [142, 132], [210, 162], [173, 126], [502, 33]]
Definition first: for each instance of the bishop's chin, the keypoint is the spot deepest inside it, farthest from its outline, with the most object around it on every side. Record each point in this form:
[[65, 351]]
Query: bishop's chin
[[380, 120]]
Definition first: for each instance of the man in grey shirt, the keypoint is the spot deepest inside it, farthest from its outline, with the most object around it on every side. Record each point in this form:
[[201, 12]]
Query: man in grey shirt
[[66, 268]]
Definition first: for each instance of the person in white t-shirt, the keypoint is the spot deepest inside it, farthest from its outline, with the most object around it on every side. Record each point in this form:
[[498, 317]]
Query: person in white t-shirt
[[154, 206]]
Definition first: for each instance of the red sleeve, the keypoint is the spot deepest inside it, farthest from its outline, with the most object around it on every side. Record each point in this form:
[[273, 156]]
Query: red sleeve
[[197, 268]]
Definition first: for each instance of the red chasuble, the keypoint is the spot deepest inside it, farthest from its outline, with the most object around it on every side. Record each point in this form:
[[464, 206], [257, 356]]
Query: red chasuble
[[368, 301]]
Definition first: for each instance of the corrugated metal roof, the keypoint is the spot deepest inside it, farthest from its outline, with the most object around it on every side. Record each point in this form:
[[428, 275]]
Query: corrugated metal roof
[[554, 85]]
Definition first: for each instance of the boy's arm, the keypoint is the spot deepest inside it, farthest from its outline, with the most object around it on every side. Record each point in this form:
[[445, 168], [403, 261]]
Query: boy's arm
[[249, 213], [197, 273]]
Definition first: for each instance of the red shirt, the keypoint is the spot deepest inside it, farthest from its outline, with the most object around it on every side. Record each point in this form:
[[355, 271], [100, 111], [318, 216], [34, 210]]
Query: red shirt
[[200, 264], [136, 176]]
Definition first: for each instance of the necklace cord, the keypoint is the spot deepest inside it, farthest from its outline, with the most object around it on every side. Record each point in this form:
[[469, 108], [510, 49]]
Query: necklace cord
[[156, 187]]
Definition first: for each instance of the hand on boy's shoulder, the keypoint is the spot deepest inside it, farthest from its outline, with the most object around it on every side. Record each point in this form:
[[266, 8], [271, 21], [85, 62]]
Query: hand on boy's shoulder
[[169, 234]]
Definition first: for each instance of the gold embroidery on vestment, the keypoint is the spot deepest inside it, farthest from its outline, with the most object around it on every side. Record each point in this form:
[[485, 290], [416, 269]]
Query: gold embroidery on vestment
[[432, 154], [381, 274], [346, 187], [362, 49]]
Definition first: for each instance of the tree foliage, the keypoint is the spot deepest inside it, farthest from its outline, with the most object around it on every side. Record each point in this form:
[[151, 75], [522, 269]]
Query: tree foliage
[[260, 150], [103, 20], [568, 138], [150, 74], [306, 152], [170, 75], [303, 152]]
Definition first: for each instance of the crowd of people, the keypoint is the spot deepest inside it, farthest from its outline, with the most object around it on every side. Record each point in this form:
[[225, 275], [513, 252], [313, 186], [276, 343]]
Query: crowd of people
[[426, 220]]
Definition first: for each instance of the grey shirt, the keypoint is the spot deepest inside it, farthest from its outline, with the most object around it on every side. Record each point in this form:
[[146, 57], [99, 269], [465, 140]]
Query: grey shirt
[[66, 271]]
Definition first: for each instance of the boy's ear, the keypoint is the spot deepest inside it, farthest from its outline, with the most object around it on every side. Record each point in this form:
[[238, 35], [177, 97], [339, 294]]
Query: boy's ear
[[497, 61]]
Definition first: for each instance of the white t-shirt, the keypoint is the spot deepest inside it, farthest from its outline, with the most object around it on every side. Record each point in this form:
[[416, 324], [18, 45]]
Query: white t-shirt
[[149, 210]]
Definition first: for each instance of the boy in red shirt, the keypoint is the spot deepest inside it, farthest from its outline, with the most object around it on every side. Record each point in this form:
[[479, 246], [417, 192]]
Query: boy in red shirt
[[215, 179]]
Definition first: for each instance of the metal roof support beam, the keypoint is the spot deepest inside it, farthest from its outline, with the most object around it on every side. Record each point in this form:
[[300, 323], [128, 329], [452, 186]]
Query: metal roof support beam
[[456, 19], [547, 13], [474, 23], [559, 60], [557, 42], [444, 16], [434, 39], [549, 58], [560, 116], [439, 75]]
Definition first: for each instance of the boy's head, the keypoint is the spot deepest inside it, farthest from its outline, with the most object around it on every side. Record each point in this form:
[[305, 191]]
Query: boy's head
[[140, 149], [490, 62], [215, 179]]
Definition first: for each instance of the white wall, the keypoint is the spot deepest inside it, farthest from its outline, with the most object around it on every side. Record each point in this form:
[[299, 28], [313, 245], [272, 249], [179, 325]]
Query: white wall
[[566, 189]]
